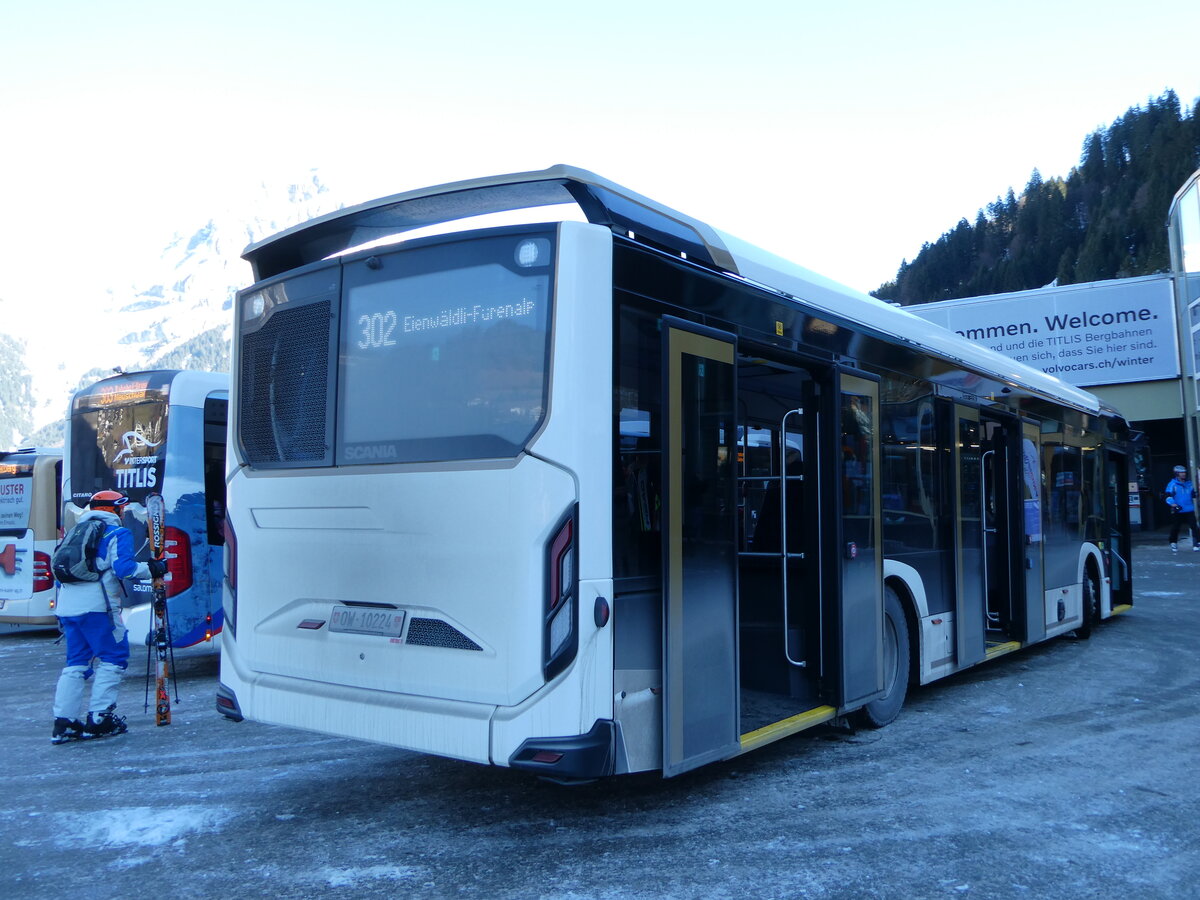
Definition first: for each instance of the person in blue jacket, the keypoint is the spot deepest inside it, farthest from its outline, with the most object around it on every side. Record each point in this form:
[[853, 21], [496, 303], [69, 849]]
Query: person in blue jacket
[[1180, 495], [89, 613]]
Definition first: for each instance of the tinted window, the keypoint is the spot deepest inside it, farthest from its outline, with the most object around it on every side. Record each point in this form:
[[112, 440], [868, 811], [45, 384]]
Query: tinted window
[[118, 437], [444, 350]]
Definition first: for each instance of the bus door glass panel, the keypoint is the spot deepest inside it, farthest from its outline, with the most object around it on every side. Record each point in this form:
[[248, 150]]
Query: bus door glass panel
[[1116, 515], [997, 522], [1033, 502], [861, 602], [700, 683], [1061, 515], [970, 615]]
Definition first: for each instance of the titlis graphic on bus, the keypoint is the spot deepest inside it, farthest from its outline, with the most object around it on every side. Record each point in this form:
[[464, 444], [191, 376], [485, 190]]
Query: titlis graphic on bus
[[121, 427]]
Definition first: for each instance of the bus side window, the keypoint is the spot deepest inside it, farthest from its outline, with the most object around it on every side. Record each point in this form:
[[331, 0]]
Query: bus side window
[[216, 415], [637, 500]]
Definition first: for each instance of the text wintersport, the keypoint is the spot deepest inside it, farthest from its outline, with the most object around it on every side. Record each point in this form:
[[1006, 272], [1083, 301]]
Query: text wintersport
[[1061, 322]]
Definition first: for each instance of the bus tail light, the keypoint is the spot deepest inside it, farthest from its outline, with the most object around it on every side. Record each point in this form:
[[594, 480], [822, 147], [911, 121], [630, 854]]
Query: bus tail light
[[561, 634], [231, 575], [178, 554], [42, 579]]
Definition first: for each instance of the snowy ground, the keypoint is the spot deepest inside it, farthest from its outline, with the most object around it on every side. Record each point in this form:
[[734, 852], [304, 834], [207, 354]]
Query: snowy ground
[[1065, 771]]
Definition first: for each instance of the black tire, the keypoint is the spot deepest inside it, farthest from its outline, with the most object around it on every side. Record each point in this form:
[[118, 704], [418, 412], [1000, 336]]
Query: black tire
[[1091, 604], [896, 656]]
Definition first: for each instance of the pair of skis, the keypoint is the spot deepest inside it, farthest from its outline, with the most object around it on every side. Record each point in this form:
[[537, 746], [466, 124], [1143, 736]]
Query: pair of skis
[[160, 652]]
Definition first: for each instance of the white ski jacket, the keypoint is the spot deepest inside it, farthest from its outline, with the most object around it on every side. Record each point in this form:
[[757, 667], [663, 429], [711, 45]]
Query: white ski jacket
[[114, 559]]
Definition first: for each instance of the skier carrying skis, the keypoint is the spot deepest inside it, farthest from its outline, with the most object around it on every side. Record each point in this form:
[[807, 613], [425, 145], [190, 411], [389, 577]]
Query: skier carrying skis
[[89, 613]]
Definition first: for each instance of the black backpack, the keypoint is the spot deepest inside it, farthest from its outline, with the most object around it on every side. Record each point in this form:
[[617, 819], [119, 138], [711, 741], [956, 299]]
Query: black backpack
[[74, 560]]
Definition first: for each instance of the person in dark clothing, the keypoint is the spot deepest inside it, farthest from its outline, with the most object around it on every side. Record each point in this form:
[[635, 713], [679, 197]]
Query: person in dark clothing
[[1180, 495]]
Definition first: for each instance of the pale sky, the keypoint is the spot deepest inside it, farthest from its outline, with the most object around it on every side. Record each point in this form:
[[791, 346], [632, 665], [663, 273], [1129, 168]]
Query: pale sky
[[839, 135]]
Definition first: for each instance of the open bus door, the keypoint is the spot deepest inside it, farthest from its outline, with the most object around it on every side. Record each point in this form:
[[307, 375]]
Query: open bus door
[[1003, 575], [1034, 619], [969, 605], [860, 618], [700, 622], [1116, 514]]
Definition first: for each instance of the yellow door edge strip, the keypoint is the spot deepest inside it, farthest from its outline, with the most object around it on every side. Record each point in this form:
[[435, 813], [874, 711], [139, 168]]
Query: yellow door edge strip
[[782, 729], [1121, 608], [1000, 649]]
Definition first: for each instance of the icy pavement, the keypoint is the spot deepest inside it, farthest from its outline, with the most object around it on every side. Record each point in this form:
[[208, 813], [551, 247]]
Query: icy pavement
[[1063, 771]]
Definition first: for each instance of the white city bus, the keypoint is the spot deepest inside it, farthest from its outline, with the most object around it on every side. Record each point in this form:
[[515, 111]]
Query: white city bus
[[30, 500], [158, 432], [627, 494]]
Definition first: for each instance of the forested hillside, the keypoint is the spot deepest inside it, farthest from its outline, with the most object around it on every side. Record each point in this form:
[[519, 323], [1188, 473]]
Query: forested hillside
[[1106, 219]]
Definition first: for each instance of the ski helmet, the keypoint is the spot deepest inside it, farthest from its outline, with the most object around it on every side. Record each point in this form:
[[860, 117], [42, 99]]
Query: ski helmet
[[108, 501]]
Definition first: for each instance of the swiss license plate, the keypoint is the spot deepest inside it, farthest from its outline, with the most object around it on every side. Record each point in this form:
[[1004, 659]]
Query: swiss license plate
[[367, 620]]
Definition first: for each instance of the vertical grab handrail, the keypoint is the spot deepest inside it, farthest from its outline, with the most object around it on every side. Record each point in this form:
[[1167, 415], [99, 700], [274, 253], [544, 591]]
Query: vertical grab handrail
[[983, 523], [783, 534]]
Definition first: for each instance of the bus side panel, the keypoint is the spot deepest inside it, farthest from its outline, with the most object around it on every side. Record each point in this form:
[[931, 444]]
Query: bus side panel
[[578, 431], [195, 613], [573, 702], [199, 615], [578, 435]]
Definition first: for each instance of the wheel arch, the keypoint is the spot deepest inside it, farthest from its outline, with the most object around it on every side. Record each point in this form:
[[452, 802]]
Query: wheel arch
[[1091, 556], [906, 582]]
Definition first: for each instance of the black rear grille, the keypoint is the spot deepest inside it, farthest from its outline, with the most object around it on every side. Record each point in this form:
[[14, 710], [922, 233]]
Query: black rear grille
[[436, 633], [283, 398]]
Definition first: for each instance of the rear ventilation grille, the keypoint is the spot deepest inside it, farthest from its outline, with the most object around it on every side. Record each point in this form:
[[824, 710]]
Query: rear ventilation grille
[[436, 633], [284, 385]]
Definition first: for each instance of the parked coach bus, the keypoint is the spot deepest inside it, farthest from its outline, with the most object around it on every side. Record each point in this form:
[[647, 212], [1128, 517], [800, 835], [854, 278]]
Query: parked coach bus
[[622, 493], [30, 500], [158, 432]]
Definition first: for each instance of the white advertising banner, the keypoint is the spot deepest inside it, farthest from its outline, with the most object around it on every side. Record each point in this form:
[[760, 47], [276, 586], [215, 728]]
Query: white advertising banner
[[15, 497], [1105, 332]]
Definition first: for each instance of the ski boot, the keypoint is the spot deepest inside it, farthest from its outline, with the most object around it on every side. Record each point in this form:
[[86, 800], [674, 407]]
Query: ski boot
[[102, 724], [66, 730]]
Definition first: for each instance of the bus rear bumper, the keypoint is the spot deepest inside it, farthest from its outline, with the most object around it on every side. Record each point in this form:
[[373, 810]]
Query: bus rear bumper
[[579, 757], [40, 623], [33, 613], [450, 728], [227, 704]]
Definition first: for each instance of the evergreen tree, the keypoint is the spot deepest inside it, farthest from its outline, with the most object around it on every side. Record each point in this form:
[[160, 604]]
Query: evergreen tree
[[1104, 220]]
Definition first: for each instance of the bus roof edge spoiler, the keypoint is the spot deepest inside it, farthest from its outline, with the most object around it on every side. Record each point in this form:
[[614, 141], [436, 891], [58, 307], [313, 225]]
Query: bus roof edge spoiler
[[602, 202]]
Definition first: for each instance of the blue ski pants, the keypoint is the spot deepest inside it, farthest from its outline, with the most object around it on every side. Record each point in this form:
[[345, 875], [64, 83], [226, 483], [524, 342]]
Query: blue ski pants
[[93, 635]]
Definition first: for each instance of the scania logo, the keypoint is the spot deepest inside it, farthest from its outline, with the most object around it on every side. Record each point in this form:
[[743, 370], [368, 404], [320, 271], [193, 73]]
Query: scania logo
[[374, 451]]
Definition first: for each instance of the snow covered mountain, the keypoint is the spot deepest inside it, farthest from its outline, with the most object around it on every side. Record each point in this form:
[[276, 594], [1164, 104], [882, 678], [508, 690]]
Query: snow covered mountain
[[177, 314]]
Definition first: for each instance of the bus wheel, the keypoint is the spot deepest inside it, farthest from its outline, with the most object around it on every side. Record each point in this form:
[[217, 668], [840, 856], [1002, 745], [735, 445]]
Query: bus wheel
[[1091, 604], [880, 712]]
